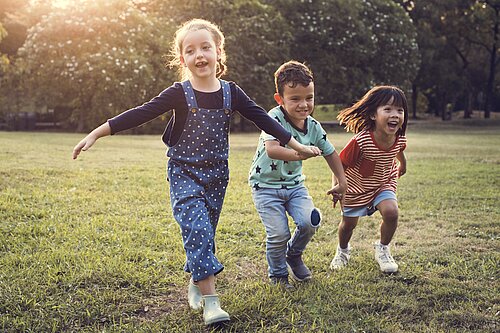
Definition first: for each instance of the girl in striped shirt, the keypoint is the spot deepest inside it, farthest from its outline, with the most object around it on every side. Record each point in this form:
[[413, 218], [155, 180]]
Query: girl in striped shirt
[[370, 158]]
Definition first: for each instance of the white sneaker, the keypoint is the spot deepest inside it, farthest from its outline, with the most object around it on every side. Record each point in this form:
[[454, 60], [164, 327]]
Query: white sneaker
[[341, 258], [385, 260]]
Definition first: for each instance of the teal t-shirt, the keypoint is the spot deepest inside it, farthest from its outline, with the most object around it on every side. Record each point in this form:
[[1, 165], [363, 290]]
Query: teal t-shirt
[[268, 173]]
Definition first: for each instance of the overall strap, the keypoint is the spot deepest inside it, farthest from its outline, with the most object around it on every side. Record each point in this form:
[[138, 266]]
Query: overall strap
[[189, 94], [226, 94]]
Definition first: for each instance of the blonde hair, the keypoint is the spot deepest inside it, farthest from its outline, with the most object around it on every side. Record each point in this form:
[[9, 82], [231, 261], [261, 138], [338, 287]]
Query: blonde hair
[[180, 35]]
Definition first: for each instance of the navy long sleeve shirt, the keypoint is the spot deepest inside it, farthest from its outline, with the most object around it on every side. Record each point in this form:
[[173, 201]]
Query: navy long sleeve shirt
[[173, 98]]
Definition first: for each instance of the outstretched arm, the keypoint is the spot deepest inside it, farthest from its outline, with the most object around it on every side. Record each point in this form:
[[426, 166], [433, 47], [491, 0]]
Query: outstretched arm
[[402, 163], [304, 151], [339, 181], [276, 151], [91, 138]]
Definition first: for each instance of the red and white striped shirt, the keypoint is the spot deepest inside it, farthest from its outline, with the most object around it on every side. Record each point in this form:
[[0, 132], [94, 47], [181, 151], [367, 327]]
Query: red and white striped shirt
[[369, 169]]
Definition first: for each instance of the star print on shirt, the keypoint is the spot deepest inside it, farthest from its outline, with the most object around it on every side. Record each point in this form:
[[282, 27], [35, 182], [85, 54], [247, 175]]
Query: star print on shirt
[[274, 166], [277, 119], [257, 169], [285, 162], [290, 172], [297, 182], [282, 179], [324, 137], [284, 187], [256, 186]]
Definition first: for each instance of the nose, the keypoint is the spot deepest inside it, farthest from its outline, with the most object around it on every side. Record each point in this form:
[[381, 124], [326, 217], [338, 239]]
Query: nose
[[199, 53]]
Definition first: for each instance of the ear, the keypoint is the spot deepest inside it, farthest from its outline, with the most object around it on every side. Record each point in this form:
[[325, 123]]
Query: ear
[[218, 53], [181, 59], [278, 99]]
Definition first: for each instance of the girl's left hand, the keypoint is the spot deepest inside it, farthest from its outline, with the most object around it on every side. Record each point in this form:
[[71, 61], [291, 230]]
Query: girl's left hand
[[337, 193], [401, 170]]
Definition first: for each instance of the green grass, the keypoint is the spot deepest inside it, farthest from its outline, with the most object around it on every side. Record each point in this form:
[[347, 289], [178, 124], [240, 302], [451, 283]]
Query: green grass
[[90, 245]]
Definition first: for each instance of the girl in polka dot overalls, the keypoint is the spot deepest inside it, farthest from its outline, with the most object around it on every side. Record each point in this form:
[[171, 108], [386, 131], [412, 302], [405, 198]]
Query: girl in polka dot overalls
[[197, 137]]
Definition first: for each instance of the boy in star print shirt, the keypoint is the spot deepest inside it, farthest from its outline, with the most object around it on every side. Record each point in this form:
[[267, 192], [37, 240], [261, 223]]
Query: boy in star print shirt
[[276, 175]]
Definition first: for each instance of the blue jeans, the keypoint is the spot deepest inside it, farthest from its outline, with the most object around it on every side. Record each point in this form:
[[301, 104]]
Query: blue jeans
[[273, 206]]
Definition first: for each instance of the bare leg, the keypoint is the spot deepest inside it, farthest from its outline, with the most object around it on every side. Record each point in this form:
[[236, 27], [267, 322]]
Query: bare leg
[[346, 227], [207, 286], [389, 211]]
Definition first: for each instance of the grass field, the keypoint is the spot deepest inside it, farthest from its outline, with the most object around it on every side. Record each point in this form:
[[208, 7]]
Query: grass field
[[90, 245]]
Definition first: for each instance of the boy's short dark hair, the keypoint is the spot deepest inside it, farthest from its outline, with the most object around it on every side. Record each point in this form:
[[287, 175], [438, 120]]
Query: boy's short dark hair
[[292, 73]]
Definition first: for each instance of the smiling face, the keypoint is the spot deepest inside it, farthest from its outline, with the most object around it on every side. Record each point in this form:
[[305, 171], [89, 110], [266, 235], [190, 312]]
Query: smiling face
[[200, 54], [388, 118], [297, 101]]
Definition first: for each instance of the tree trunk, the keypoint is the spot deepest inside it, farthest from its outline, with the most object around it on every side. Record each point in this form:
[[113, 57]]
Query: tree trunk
[[493, 56], [414, 97], [81, 122], [468, 105]]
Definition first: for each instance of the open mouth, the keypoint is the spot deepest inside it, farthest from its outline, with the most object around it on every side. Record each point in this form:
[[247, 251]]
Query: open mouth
[[201, 64], [393, 125]]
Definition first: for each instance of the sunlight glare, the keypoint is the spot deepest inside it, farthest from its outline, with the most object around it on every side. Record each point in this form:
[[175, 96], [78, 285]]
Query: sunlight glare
[[63, 4]]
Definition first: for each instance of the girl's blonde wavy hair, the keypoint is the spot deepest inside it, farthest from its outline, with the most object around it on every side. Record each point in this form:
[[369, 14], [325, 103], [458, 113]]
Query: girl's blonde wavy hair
[[180, 35]]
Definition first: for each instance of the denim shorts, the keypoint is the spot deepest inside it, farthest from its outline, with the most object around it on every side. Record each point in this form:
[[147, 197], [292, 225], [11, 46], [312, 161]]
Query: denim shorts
[[371, 207]]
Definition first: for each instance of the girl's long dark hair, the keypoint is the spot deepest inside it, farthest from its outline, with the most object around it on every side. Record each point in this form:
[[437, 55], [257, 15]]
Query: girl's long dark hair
[[359, 116]]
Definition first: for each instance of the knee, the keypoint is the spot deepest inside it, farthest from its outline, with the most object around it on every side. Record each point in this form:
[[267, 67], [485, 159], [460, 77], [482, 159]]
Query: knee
[[278, 239], [348, 224], [391, 215], [312, 221]]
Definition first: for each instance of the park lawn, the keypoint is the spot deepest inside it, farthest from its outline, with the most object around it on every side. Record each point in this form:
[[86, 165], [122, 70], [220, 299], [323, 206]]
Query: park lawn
[[90, 245]]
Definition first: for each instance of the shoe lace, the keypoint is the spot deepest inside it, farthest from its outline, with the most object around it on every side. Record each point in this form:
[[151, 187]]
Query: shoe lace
[[385, 255], [341, 258]]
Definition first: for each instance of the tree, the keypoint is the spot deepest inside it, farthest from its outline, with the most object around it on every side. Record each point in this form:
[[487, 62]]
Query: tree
[[352, 45], [97, 57], [458, 41], [257, 38]]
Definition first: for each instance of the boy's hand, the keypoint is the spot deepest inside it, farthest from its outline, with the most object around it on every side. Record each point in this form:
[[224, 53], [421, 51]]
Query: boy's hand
[[85, 144], [308, 151], [338, 193]]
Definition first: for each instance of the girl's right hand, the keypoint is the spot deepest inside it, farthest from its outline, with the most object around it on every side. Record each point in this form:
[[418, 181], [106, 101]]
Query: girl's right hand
[[309, 151], [91, 138], [85, 144]]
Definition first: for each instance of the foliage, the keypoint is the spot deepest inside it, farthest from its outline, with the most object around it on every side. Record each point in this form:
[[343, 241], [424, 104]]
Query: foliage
[[352, 45], [100, 57], [91, 246], [455, 40], [257, 38]]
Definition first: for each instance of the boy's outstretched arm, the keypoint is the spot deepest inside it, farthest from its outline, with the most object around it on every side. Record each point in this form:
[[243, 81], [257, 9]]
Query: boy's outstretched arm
[[91, 138], [277, 152], [339, 181], [402, 163]]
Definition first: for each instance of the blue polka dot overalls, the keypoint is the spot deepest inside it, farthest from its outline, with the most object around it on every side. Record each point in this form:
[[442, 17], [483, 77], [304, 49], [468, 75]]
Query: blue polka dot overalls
[[198, 174]]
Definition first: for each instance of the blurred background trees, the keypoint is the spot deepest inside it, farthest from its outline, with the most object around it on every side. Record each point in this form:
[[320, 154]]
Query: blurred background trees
[[84, 61]]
